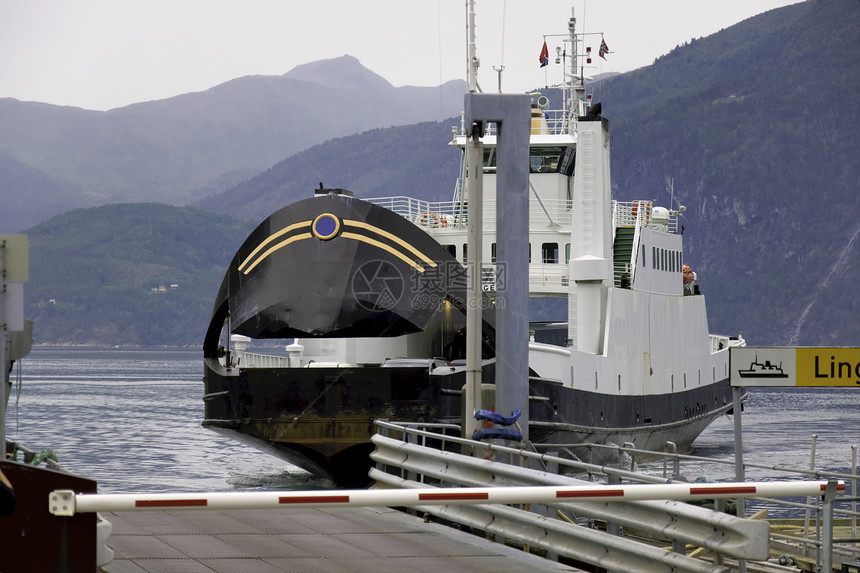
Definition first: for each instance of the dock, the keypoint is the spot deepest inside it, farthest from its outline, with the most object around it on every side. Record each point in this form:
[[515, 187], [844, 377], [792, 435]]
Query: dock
[[330, 540]]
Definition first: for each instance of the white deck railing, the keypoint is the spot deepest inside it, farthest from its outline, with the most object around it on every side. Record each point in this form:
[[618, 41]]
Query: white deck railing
[[444, 214], [453, 214]]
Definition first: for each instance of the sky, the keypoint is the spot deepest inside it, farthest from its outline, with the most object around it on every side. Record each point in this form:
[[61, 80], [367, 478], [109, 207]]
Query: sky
[[102, 54]]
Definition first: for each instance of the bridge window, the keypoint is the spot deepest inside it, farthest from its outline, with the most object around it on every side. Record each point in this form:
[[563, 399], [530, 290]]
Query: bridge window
[[544, 159]]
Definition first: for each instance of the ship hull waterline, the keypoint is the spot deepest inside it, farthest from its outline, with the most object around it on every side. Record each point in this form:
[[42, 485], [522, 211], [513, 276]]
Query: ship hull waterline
[[322, 419]]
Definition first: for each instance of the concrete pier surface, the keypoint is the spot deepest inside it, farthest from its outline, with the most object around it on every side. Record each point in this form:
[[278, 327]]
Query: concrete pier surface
[[330, 540]]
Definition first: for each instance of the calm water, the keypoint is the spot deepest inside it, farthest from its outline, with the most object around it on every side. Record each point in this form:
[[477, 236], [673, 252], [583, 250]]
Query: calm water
[[130, 419]]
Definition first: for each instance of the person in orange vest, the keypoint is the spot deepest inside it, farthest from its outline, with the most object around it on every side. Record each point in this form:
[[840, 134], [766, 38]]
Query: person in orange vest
[[689, 280]]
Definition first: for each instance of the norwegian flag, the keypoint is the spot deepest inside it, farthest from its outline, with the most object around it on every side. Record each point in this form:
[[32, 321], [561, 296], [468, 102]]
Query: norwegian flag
[[544, 55], [604, 49]]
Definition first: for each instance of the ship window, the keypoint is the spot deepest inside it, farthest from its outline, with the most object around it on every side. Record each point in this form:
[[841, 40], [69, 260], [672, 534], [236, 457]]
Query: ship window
[[452, 249], [567, 253], [465, 252], [493, 252], [643, 256], [549, 252], [653, 257], [544, 159]]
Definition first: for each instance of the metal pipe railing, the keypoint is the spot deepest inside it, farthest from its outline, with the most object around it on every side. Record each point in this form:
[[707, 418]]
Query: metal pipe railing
[[614, 473]]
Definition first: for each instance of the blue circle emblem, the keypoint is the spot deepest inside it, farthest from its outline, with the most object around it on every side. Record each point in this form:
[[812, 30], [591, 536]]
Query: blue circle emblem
[[325, 226]]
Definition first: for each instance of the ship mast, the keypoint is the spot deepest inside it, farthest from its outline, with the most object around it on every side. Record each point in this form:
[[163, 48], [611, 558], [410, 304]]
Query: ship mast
[[472, 62], [573, 92]]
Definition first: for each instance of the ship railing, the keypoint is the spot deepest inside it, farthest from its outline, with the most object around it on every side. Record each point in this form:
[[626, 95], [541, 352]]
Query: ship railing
[[454, 214], [721, 342], [645, 466], [628, 213], [550, 276], [556, 123], [254, 360]]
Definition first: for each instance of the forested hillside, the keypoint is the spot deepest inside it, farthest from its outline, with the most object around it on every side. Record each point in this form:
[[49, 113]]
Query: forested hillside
[[756, 130], [128, 274]]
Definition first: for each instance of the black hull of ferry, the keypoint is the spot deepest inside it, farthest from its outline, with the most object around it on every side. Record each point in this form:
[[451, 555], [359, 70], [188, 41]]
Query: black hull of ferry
[[333, 267], [322, 419]]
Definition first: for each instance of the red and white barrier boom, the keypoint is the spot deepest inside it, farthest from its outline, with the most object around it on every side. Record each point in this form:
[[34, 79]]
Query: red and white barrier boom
[[68, 503]]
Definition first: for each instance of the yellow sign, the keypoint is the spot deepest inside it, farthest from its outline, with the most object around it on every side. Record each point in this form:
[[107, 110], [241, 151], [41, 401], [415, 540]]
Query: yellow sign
[[828, 367], [792, 366]]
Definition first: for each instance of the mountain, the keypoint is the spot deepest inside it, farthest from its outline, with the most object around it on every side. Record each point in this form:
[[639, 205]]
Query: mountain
[[186, 147], [140, 274], [413, 160], [735, 126]]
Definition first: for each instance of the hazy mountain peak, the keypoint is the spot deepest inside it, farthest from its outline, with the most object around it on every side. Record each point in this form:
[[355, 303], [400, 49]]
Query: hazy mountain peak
[[345, 71]]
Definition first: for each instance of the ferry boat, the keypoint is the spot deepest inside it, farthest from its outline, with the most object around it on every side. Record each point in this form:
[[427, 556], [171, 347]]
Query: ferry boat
[[370, 298]]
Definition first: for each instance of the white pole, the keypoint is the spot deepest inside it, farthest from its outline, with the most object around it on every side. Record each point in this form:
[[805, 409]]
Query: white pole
[[474, 314], [67, 503]]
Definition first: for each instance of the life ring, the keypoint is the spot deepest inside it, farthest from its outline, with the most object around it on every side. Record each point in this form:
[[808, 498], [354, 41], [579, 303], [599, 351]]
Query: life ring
[[646, 208], [431, 220]]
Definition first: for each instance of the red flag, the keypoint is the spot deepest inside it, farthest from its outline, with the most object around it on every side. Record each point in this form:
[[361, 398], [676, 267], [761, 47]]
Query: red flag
[[604, 49], [544, 55]]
